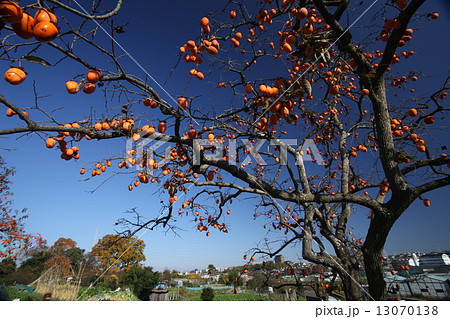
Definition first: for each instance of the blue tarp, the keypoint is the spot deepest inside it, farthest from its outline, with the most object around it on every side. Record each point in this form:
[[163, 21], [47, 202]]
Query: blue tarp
[[28, 289]]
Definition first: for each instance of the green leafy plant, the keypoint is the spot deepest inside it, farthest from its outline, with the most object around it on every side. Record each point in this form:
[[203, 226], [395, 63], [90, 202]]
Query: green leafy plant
[[141, 280], [207, 294]]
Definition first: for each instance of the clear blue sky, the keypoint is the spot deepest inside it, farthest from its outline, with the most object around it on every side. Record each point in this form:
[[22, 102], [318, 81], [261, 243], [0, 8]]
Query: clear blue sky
[[60, 204]]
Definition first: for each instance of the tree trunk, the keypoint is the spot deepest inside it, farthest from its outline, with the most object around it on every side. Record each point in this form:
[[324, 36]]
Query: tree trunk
[[373, 253], [351, 284]]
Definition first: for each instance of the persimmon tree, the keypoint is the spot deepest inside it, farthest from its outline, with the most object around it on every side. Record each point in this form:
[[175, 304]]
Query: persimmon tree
[[14, 240], [317, 123], [114, 253]]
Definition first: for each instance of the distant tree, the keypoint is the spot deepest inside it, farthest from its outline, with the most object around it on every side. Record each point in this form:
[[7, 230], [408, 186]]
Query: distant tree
[[75, 255], [207, 294], [253, 284], [31, 268], [141, 280], [35, 263], [175, 273], [233, 277], [115, 253], [183, 291], [269, 265], [14, 240], [223, 279], [111, 281], [90, 271], [166, 275], [211, 269], [61, 263], [7, 268], [63, 244]]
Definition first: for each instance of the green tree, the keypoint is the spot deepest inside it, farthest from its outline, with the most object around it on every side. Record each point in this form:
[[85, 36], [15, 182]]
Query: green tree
[[223, 279], [7, 269], [166, 275], [211, 269], [207, 294], [114, 253], [233, 275], [183, 291], [252, 284], [269, 265], [34, 265], [112, 281], [141, 280], [75, 255]]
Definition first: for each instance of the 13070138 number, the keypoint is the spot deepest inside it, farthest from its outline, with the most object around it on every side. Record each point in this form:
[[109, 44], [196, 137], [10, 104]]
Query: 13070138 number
[[407, 310]]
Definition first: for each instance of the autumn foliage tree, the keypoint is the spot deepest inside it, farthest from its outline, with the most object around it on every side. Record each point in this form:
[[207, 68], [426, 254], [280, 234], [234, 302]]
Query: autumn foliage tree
[[115, 253], [14, 240], [301, 87], [61, 252], [62, 244]]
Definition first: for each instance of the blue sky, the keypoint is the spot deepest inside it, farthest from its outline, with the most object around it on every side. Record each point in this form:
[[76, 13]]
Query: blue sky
[[60, 203]]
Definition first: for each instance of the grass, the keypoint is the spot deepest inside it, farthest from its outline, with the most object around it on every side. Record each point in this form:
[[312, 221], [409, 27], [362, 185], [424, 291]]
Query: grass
[[11, 293], [194, 295]]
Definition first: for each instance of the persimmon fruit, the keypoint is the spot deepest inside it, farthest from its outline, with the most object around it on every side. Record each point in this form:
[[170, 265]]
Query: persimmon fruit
[[93, 76], [429, 120], [204, 22], [43, 15], [45, 31], [89, 88], [50, 142], [182, 103], [72, 87], [11, 10], [412, 112], [15, 76], [24, 28], [162, 126], [192, 133], [10, 113]]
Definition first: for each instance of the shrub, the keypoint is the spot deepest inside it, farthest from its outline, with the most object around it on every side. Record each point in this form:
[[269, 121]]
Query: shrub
[[141, 280], [11, 293], [87, 292], [207, 294]]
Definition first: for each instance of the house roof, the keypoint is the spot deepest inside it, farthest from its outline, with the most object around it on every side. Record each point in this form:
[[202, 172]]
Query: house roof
[[394, 278], [440, 277]]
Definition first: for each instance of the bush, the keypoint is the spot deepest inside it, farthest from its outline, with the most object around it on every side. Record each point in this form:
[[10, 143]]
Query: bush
[[207, 294], [4, 296], [86, 292], [11, 293], [184, 291], [141, 280], [111, 281]]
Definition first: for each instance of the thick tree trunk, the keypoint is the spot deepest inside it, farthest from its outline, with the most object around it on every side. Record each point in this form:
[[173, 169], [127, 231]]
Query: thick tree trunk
[[351, 285], [373, 253]]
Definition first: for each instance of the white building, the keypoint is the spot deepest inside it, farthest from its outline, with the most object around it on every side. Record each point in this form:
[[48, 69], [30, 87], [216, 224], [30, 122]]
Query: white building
[[414, 260], [435, 259]]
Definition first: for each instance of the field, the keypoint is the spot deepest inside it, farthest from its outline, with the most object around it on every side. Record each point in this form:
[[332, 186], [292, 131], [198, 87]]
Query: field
[[102, 293]]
